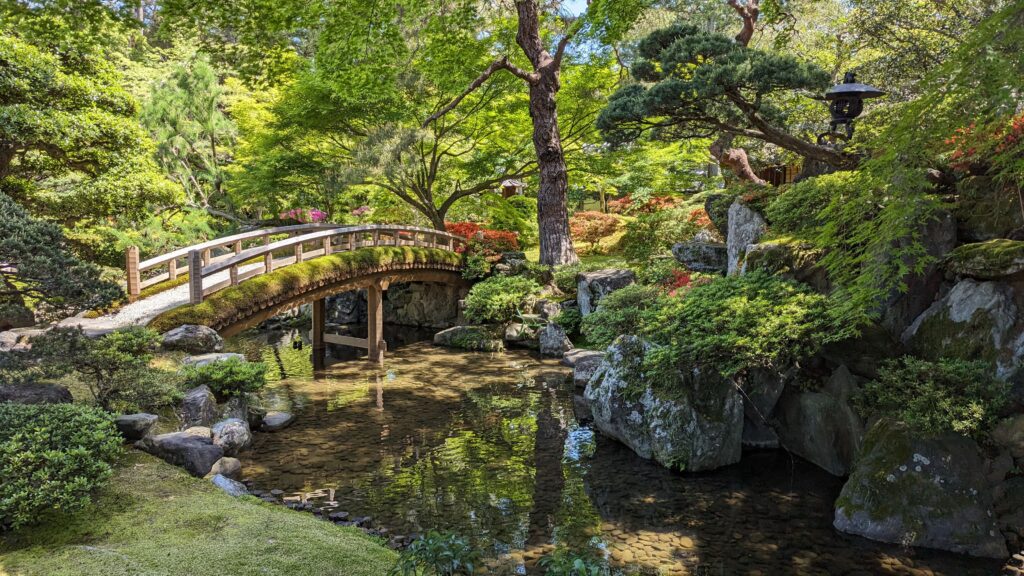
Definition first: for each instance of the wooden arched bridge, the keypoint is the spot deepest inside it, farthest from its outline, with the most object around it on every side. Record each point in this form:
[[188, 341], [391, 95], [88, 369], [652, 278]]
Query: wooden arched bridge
[[227, 262]]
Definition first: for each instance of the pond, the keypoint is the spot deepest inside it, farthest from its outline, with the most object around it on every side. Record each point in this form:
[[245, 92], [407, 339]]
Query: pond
[[489, 446]]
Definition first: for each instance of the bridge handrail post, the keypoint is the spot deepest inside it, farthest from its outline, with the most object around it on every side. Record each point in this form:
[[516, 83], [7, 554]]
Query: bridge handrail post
[[195, 276], [133, 279]]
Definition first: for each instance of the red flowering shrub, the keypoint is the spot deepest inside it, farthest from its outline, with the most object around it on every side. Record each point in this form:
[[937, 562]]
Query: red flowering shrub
[[464, 229], [499, 240], [679, 279], [700, 217], [484, 240], [591, 227]]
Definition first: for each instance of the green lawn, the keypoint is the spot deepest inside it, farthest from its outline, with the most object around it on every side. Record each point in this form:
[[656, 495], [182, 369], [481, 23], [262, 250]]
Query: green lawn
[[154, 519]]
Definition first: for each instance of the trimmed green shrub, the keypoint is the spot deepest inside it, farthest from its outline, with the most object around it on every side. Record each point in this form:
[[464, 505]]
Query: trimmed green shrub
[[622, 312], [438, 554], [52, 456], [948, 395], [516, 214], [114, 367], [476, 267], [230, 377], [570, 319], [651, 235], [499, 299]]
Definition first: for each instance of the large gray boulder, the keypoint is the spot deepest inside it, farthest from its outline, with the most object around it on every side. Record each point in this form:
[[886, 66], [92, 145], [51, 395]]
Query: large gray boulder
[[247, 407], [232, 435], [992, 260], [134, 427], [198, 407], [226, 466], [585, 365], [193, 339], [974, 321], [552, 341], [482, 338], [8, 340], [762, 389], [592, 286], [35, 394], [196, 454], [821, 426], [921, 491], [702, 254], [746, 227], [699, 428]]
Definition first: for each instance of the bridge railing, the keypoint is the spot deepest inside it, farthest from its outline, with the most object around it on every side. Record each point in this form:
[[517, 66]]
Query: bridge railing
[[301, 243]]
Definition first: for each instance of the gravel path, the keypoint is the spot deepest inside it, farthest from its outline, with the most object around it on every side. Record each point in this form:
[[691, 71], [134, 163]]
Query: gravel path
[[141, 312]]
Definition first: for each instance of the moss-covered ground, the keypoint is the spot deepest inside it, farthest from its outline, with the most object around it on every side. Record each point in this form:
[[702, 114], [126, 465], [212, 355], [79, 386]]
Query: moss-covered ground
[[154, 519]]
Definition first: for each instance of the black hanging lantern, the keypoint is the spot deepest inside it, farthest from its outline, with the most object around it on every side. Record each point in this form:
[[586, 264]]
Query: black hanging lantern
[[846, 102]]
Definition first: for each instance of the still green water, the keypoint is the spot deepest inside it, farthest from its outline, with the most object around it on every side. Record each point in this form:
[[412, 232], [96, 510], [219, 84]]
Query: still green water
[[490, 446]]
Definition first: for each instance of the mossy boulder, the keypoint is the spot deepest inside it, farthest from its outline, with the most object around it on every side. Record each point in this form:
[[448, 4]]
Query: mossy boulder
[[790, 259], [746, 226], [974, 321], [699, 427], [480, 338], [990, 260], [920, 491], [985, 210]]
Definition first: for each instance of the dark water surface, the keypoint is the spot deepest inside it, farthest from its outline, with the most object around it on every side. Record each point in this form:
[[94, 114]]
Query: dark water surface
[[488, 446]]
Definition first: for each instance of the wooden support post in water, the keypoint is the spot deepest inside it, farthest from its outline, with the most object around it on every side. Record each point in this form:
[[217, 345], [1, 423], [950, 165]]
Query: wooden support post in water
[[133, 279], [376, 346], [195, 276], [317, 334]]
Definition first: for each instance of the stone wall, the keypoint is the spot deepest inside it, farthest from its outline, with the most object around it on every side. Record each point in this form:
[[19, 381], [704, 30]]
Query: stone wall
[[424, 304]]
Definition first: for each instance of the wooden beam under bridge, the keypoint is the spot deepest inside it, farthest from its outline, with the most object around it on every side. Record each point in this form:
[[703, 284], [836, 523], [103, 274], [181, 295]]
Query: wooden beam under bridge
[[374, 343]]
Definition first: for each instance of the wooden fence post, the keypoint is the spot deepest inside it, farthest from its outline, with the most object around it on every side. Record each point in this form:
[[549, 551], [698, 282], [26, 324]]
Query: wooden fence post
[[195, 276], [133, 279]]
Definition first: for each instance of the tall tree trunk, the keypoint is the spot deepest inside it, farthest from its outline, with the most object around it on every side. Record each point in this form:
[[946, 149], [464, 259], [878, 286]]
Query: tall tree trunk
[[552, 213]]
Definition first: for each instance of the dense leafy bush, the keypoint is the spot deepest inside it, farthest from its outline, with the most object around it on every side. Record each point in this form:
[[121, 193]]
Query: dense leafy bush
[[475, 267], [51, 457], [564, 562], [592, 227], [624, 311], [570, 320], [115, 367], [933, 397], [231, 377], [499, 299], [799, 206], [438, 554], [516, 214], [652, 234]]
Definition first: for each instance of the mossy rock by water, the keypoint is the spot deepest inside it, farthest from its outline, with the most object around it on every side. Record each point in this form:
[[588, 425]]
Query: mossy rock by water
[[987, 260], [475, 338], [920, 491]]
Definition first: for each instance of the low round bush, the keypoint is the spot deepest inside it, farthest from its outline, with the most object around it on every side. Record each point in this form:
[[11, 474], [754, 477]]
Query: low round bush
[[52, 456], [621, 312], [592, 227], [231, 377], [947, 395], [499, 299]]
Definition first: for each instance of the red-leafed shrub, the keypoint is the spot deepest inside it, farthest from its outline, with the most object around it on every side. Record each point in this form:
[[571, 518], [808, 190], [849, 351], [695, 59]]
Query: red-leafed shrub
[[464, 229], [678, 280], [627, 205], [976, 148], [620, 206], [700, 217], [482, 240], [591, 227]]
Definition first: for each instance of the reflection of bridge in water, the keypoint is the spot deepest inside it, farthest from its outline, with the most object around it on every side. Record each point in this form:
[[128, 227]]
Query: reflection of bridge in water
[[222, 264]]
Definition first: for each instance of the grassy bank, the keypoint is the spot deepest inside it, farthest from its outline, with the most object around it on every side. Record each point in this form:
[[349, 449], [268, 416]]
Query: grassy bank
[[154, 519]]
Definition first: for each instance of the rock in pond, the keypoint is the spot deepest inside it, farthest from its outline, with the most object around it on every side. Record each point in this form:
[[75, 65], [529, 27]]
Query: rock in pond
[[232, 435], [35, 394], [746, 227], [229, 486], [592, 286], [698, 428], [195, 454], [198, 407], [573, 356], [211, 358], [193, 339], [481, 338], [523, 334], [247, 407], [226, 466], [552, 341], [585, 364], [134, 427], [277, 420], [920, 491]]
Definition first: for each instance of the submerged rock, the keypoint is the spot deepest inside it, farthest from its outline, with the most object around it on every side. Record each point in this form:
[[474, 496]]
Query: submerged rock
[[196, 454], [193, 339], [232, 435], [699, 428], [277, 420], [482, 338], [585, 365], [591, 287], [198, 407], [746, 227], [134, 427], [916, 491], [229, 486]]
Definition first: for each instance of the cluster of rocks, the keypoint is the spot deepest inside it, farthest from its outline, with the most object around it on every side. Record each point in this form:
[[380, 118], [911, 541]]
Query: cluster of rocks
[[944, 491], [422, 304]]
